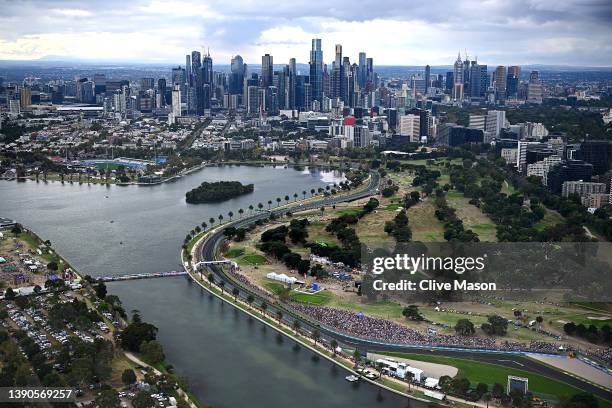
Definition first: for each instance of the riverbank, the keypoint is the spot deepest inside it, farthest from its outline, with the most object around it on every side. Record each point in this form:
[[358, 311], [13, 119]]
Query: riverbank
[[342, 360], [82, 288]]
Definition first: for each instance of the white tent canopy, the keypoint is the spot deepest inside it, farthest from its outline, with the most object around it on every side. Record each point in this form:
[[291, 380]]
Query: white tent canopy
[[281, 278]]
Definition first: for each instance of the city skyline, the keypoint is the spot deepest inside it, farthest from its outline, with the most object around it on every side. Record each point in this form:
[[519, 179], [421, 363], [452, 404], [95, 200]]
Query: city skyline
[[542, 32]]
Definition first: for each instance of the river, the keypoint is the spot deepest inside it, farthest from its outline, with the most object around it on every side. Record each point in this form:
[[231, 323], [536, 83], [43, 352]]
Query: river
[[230, 360]]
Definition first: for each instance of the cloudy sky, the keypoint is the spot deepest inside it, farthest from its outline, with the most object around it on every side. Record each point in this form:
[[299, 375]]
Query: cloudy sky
[[393, 32]]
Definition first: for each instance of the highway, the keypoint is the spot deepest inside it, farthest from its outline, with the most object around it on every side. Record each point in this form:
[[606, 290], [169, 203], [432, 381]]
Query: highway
[[510, 360]]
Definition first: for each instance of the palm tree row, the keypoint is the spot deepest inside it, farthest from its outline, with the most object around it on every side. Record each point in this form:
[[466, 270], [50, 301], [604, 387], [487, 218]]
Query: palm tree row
[[202, 227]]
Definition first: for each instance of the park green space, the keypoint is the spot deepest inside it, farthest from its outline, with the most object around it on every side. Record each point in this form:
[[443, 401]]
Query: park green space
[[490, 374], [473, 218], [424, 224], [551, 218], [240, 255]]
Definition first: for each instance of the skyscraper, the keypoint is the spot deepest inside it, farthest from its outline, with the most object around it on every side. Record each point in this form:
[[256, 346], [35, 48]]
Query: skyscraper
[[500, 83], [362, 70], [479, 80], [188, 78], [236, 78], [534, 89], [427, 78], [458, 79], [267, 68], [207, 79], [291, 84], [336, 74], [195, 96], [512, 81], [316, 70]]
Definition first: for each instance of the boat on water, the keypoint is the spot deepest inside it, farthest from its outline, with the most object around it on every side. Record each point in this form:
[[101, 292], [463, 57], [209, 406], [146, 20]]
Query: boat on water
[[351, 378]]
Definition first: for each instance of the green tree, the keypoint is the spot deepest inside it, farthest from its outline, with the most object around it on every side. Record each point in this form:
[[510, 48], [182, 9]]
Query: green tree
[[143, 400], [316, 335], [464, 327], [334, 345], [412, 312], [582, 400], [109, 399], [9, 294], [100, 289], [128, 377], [152, 352], [296, 326], [136, 333]]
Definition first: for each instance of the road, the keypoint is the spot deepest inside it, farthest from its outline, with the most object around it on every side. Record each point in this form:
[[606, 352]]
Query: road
[[517, 361]]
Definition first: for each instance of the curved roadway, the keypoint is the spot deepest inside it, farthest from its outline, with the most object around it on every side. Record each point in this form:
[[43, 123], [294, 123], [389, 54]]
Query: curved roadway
[[510, 360]]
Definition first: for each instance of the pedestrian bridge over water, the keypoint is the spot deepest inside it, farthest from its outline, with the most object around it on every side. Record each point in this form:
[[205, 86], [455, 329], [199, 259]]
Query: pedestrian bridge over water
[[135, 276]]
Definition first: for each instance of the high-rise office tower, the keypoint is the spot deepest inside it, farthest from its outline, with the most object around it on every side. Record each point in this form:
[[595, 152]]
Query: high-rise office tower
[[458, 79], [147, 83], [161, 90], [449, 82], [316, 70], [466, 76], [195, 96], [336, 75], [515, 70], [207, 69], [345, 80], [236, 78], [99, 83], [427, 78], [196, 63], [188, 78], [176, 101], [479, 80], [500, 83], [362, 70], [267, 68], [370, 73], [291, 84], [534, 89], [512, 81]]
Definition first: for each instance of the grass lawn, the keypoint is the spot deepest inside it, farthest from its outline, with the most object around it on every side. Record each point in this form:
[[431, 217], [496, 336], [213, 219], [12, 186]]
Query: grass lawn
[[454, 194], [119, 364], [383, 309], [349, 211], [317, 233], [320, 298], [551, 218], [490, 374], [254, 259], [473, 218], [444, 179], [370, 228], [234, 252], [508, 188], [425, 226], [274, 287]]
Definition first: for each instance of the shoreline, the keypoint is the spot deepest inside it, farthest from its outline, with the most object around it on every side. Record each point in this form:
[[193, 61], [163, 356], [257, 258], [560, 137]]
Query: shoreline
[[186, 172], [186, 394]]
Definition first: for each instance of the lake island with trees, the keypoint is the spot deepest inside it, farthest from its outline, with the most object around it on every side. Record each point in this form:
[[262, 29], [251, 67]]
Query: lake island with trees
[[217, 191]]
